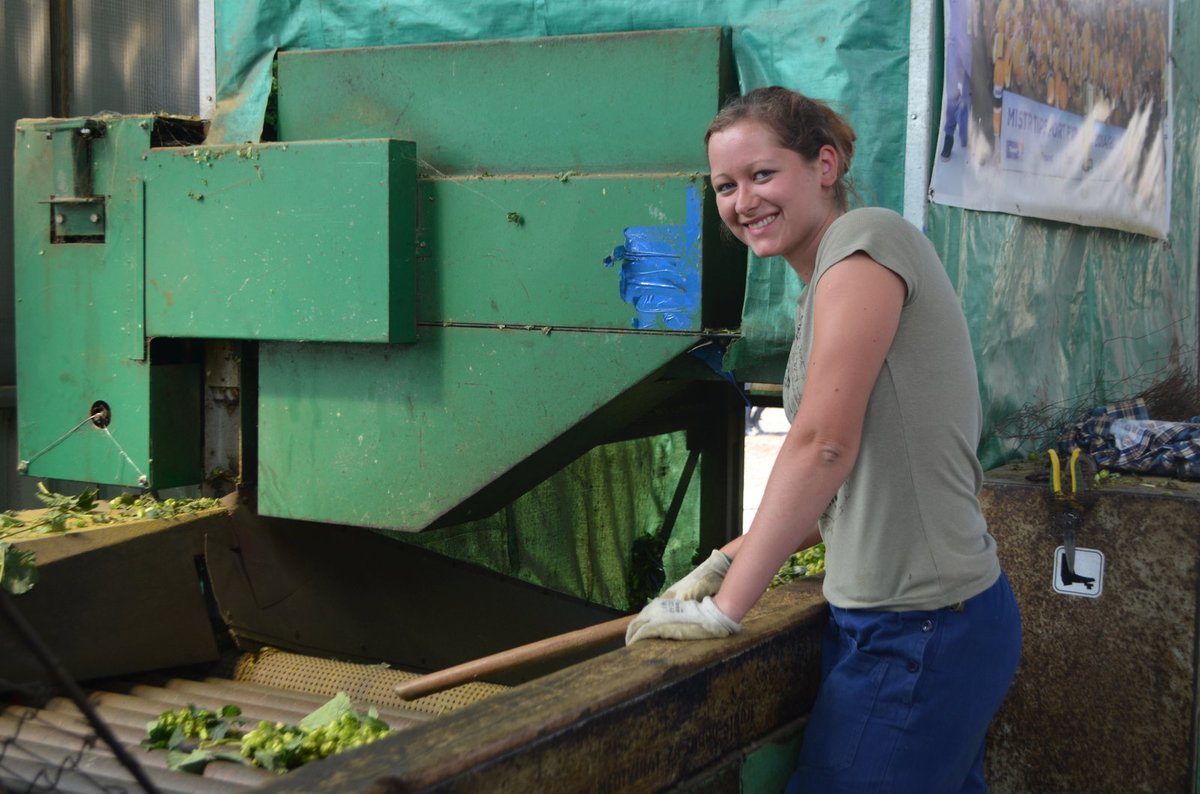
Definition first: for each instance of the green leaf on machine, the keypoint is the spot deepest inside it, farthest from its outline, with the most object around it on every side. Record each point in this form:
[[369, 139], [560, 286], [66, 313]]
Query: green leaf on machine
[[271, 760], [193, 762], [194, 737], [330, 712], [61, 510], [18, 569], [64, 513], [174, 728], [83, 503]]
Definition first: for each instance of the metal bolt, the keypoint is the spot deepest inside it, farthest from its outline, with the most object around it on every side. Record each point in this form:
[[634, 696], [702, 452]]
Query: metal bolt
[[143, 124], [94, 217], [59, 220], [84, 131]]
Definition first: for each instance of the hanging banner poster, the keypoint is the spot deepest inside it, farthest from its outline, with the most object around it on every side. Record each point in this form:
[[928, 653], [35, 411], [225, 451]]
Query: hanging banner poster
[[1058, 109]]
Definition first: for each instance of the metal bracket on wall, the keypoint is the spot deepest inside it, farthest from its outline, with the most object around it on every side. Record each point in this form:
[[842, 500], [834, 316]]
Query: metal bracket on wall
[[76, 214]]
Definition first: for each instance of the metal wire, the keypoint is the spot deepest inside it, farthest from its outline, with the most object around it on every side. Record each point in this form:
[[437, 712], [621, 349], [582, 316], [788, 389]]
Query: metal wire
[[56, 671], [39, 767], [23, 466], [143, 480]]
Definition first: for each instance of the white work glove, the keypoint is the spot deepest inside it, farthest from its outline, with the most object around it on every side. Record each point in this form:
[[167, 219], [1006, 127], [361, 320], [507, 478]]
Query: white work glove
[[672, 619], [704, 580]]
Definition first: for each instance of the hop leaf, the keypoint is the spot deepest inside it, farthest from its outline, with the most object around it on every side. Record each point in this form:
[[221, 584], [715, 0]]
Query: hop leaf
[[18, 569]]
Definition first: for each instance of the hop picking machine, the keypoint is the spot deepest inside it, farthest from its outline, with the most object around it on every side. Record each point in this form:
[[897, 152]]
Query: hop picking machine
[[451, 343], [453, 340]]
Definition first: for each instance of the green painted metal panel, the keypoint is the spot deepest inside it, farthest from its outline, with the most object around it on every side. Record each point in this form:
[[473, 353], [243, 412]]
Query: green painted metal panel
[[79, 319], [176, 423], [396, 436], [628, 102], [524, 190], [536, 248], [768, 767], [301, 241]]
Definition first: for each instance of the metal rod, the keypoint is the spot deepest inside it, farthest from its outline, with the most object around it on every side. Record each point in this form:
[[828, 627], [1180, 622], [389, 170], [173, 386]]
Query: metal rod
[[206, 60], [921, 129], [52, 665]]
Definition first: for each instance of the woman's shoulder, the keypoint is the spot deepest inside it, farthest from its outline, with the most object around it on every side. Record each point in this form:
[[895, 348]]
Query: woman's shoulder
[[874, 219], [876, 230], [885, 236]]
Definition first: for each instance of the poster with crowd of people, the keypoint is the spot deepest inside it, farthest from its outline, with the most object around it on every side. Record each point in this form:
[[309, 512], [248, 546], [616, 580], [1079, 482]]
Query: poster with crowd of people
[[1058, 109]]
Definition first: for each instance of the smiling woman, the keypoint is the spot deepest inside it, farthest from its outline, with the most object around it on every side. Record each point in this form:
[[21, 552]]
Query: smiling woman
[[768, 195], [776, 154], [878, 463]]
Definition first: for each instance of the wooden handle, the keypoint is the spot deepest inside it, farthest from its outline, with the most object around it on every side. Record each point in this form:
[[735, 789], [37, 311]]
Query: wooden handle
[[538, 652]]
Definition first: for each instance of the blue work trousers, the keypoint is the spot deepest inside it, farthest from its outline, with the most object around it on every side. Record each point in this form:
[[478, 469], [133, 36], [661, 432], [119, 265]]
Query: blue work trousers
[[906, 697]]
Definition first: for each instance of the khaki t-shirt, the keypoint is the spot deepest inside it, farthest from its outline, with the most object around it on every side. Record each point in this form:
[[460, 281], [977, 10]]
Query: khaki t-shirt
[[905, 531]]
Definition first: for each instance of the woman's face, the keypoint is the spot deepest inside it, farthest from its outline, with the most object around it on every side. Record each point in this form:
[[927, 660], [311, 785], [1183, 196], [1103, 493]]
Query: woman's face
[[770, 197]]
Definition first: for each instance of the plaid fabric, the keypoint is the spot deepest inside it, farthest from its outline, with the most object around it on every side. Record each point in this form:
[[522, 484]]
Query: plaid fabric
[[1122, 437]]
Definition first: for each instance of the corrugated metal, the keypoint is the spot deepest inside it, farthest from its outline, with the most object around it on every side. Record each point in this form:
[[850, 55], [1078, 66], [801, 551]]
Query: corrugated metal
[[46, 744], [25, 77], [135, 56], [125, 56]]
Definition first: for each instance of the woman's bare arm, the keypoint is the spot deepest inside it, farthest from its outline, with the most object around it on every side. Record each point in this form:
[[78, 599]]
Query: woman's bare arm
[[856, 312]]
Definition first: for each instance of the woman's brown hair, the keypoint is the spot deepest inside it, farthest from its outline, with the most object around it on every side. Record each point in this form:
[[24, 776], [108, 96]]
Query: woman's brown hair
[[802, 124]]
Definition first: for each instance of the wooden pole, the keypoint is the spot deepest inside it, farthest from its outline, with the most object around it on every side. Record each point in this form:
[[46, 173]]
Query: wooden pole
[[539, 652]]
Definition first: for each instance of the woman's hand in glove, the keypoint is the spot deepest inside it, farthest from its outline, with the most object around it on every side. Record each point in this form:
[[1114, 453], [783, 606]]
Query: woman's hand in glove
[[704, 580], [672, 619]]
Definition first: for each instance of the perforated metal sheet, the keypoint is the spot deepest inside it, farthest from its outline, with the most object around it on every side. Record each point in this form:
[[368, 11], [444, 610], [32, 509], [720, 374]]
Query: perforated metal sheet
[[363, 683]]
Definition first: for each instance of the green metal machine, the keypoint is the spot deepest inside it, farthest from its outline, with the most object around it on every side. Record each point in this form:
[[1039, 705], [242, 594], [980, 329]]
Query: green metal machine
[[460, 272]]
